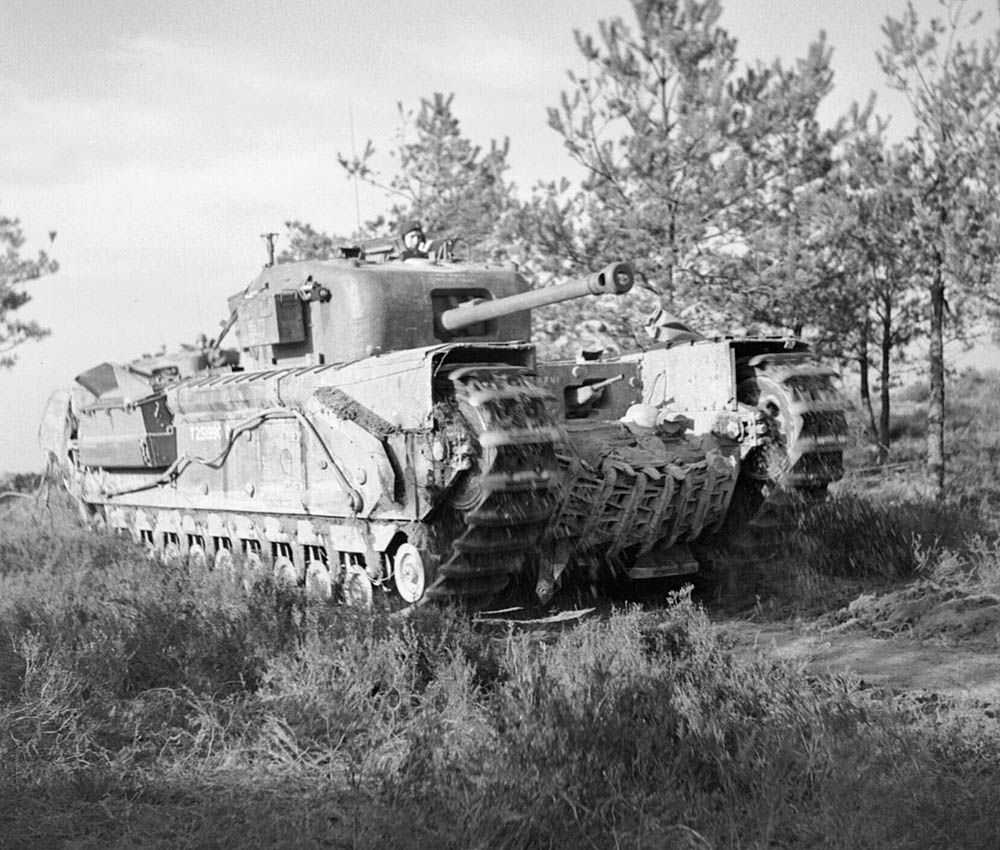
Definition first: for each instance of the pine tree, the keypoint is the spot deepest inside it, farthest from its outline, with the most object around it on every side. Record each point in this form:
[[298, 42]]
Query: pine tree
[[685, 159], [953, 87], [451, 185], [15, 271], [307, 243], [875, 312]]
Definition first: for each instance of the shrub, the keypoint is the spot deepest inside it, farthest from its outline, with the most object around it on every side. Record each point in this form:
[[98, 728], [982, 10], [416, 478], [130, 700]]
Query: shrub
[[866, 538], [917, 392], [20, 482], [907, 425], [622, 728]]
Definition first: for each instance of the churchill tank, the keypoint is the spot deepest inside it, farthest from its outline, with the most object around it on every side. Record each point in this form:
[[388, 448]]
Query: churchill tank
[[384, 425]]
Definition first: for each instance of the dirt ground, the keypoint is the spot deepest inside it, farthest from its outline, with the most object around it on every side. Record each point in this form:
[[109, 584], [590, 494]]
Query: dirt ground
[[895, 663], [924, 638]]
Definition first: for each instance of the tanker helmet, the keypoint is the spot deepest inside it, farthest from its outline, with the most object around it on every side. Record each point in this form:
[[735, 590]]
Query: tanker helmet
[[409, 227]]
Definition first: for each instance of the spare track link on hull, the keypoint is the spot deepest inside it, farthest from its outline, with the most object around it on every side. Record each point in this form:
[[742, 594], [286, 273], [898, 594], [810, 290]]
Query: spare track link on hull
[[517, 482]]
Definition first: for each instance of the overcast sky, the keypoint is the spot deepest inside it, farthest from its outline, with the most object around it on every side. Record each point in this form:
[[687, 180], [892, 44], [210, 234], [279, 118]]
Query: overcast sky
[[161, 138]]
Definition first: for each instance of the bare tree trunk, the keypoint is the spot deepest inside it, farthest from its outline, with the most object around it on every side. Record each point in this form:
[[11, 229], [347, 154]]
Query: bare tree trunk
[[884, 400], [935, 403], [864, 364], [667, 297]]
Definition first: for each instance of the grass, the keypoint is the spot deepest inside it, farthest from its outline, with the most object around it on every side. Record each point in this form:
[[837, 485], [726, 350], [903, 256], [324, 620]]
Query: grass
[[879, 530], [149, 705], [851, 543], [141, 704], [972, 444]]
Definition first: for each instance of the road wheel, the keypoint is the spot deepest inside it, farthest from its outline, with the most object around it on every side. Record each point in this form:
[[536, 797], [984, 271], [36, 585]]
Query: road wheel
[[410, 573], [172, 555], [253, 567], [319, 584], [197, 559], [224, 562], [284, 572], [357, 588]]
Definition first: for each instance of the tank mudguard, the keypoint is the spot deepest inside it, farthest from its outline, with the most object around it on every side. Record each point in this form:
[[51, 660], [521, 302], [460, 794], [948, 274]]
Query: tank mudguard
[[358, 454]]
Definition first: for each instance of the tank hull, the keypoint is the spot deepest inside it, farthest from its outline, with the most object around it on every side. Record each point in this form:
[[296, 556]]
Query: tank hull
[[338, 465]]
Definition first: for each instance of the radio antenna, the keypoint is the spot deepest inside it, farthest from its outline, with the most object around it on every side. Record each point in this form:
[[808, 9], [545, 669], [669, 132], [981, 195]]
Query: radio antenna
[[354, 159]]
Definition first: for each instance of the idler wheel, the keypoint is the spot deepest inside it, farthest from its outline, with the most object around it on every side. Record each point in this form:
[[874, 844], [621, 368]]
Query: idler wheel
[[409, 573], [467, 493]]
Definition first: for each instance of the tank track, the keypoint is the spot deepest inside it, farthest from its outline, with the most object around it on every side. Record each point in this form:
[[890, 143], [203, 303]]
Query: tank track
[[814, 418], [807, 426], [509, 500], [630, 502]]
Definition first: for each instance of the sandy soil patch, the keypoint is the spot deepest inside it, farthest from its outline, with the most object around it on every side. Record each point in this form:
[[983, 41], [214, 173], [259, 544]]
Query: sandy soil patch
[[924, 637]]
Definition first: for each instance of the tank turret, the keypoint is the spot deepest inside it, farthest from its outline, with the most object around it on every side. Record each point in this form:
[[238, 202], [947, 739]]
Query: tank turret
[[613, 279], [337, 311]]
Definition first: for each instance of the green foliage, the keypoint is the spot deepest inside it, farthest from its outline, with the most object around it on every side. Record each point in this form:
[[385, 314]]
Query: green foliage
[[23, 483], [124, 623], [871, 310], [15, 271], [955, 599], [918, 391], [443, 180], [36, 539], [974, 445], [618, 728]]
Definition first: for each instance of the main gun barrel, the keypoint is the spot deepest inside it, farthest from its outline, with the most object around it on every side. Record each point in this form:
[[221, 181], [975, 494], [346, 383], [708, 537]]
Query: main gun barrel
[[613, 279]]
